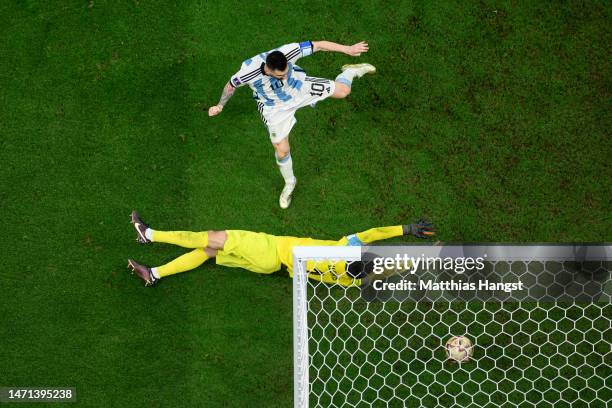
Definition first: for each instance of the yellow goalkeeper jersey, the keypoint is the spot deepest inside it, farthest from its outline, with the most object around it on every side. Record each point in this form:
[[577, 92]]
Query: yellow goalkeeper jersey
[[332, 272]]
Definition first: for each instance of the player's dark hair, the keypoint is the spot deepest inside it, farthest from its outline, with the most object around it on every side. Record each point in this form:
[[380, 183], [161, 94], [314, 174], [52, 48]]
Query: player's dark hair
[[360, 269], [276, 61]]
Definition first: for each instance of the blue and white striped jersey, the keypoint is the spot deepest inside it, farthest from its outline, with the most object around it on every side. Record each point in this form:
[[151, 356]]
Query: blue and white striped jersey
[[267, 89]]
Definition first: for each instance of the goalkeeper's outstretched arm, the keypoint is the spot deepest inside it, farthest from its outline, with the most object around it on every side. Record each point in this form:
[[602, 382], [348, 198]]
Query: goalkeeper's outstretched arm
[[420, 229]]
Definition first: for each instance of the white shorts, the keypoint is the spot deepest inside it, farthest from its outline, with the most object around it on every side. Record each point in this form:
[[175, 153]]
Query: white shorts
[[280, 119]]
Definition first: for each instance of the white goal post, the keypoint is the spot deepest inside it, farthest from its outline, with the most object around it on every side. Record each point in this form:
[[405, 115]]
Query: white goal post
[[301, 359], [351, 351]]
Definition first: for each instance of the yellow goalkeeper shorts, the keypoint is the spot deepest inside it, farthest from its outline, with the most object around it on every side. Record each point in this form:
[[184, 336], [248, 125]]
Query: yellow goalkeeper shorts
[[254, 251]]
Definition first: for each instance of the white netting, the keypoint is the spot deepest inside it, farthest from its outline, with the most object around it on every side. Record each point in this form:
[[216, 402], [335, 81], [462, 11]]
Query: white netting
[[391, 354]]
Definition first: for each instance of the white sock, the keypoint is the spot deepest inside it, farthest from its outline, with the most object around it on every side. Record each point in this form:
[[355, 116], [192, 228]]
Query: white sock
[[154, 273], [286, 168], [351, 73], [347, 76], [149, 234]]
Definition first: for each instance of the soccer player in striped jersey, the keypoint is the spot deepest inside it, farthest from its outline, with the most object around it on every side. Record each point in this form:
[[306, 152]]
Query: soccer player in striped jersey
[[259, 252], [280, 87]]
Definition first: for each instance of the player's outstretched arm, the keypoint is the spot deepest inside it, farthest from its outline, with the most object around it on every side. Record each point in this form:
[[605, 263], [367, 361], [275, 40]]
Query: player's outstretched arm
[[228, 91], [354, 50], [420, 229]]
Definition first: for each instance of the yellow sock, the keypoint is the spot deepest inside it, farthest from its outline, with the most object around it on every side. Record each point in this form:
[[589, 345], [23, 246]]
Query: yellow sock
[[183, 263], [186, 239]]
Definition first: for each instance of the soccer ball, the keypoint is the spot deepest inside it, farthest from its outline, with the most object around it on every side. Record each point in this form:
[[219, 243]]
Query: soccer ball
[[459, 349]]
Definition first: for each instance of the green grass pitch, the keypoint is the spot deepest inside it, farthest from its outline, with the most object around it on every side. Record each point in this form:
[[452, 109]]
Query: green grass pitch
[[491, 118]]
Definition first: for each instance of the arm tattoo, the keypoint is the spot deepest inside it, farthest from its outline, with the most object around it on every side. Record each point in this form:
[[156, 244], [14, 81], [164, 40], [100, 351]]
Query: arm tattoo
[[228, 91]]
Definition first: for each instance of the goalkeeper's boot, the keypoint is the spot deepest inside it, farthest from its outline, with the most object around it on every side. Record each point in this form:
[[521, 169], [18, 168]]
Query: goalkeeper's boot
[[285, 198], [140, 228], [360, 69], [143, 272]]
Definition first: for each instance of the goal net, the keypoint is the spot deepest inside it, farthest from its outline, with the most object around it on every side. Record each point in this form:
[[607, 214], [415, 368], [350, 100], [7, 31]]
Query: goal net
[[544, 343]]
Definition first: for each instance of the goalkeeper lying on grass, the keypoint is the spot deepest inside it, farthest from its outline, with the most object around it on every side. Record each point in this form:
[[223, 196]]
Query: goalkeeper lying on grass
[[259, 252]]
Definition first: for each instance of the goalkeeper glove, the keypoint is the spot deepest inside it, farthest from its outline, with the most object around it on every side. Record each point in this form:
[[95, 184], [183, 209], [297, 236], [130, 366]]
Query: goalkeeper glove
[[422, 228]]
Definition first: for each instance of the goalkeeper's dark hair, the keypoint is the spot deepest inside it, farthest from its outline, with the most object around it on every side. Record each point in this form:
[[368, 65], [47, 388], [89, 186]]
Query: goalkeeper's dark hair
[[276, 61], [360, 269]]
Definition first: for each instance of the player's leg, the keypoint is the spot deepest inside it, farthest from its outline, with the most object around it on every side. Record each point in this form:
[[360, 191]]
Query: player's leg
[[185, 239], [344, 81], [282, 152], [342, 90], [183, 263], [190, 239], [206, 244], [279, 124]]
